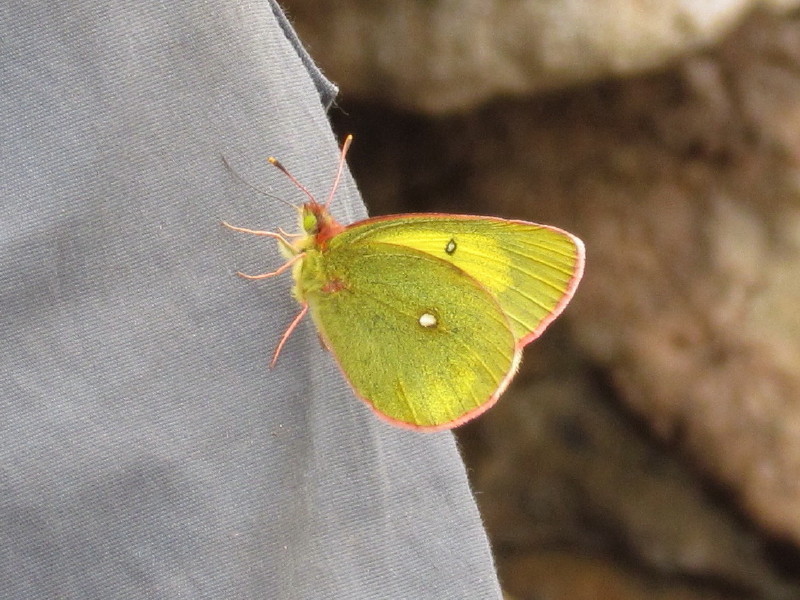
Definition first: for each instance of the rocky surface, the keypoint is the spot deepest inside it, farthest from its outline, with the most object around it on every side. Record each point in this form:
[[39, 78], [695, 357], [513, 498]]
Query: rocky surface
[[448, 56]]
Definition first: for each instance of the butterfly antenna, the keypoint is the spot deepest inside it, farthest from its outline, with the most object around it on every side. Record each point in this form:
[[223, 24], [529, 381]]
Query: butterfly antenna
[[275, 162], [347, 141], [252, 187]]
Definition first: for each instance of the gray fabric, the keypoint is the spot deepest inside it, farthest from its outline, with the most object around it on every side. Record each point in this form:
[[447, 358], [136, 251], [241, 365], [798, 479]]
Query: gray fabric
[[326, 89], [147, 450]]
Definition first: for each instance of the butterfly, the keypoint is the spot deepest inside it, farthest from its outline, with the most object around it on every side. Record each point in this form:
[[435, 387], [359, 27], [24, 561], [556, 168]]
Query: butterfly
[[425, 314]]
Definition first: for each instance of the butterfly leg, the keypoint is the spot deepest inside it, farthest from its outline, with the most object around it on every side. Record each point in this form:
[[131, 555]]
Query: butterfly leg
[[288, 235], [277, 271], [276, 236], [287, 333]]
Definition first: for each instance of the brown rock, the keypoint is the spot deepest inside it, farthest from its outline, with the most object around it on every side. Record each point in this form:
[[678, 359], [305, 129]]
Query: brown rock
[[437, 57], [563, 576]]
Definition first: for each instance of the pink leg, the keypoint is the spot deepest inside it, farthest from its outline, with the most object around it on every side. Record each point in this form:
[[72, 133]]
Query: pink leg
[[292, 235], [287, 333], [277, 271], [271, 234]]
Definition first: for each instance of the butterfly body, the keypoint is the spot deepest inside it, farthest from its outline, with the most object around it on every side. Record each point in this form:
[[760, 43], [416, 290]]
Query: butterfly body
[[427, 314]]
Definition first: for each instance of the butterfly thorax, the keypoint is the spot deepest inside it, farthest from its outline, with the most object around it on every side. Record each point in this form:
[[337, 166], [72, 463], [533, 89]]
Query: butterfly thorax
[[318, 227]]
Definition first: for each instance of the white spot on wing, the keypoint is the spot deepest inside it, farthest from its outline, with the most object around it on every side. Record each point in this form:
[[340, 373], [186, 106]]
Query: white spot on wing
[[427, 320]]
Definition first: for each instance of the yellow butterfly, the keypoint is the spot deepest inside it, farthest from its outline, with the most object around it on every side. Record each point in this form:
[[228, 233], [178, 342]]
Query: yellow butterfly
[[426, 314]]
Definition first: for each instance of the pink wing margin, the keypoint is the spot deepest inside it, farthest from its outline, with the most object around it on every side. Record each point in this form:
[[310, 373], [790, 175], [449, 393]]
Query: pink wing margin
[[569, 292]]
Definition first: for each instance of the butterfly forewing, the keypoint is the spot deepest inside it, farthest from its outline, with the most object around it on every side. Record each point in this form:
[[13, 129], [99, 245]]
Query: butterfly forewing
[[531, 270]]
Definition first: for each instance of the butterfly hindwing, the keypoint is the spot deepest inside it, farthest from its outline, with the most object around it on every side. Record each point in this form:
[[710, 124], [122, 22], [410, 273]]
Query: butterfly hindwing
[[417, 337]]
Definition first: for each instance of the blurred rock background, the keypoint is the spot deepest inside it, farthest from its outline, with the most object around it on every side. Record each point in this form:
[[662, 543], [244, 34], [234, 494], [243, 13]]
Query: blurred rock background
[[650, 448]]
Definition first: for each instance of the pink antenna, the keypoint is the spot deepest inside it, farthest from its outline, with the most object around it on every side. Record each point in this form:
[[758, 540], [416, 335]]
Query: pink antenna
[[347, 141], [235, 173], [274, 161]]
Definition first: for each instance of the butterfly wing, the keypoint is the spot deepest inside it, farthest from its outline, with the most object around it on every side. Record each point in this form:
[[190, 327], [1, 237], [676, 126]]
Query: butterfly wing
[[532, 270], [423, 342]]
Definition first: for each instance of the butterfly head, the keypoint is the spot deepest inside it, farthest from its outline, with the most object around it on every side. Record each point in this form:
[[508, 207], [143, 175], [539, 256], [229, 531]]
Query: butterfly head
[[318, 224]]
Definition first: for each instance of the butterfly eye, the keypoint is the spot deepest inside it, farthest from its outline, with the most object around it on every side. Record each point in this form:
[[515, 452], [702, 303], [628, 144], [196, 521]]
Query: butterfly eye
[[310, 223], [450, 248]]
